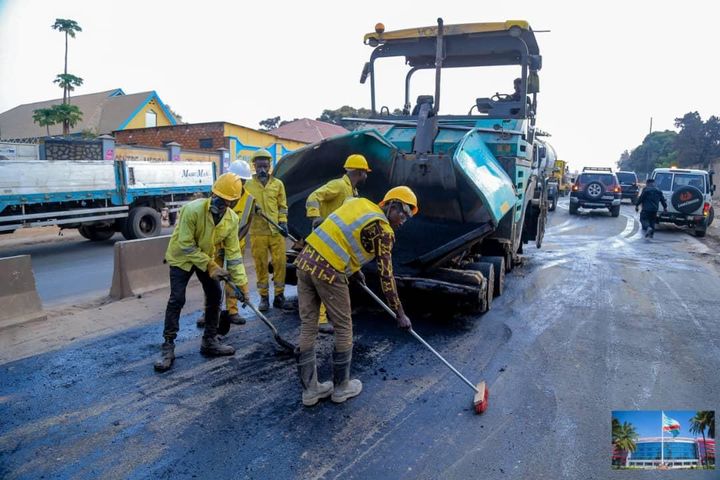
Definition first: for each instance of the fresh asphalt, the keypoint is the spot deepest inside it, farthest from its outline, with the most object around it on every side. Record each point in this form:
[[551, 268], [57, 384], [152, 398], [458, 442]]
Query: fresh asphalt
[[597, 320]]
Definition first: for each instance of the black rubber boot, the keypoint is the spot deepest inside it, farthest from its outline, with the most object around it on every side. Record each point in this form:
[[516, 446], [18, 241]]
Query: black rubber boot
[[236, 319], [326, 328], [313, 391], [212, 347], [279, 301], [167, 357], [264, 305], [343, 386]]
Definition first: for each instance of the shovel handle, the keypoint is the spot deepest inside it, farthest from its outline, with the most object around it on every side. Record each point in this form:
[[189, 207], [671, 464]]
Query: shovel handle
[[246, 303], [285, 234], [419, 338]]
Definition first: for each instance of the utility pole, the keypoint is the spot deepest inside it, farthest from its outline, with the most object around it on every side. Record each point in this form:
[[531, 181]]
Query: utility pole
[[650, 125]]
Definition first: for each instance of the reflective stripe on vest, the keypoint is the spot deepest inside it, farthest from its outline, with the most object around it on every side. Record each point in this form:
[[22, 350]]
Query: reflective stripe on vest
[[249, 202], [348, 231]]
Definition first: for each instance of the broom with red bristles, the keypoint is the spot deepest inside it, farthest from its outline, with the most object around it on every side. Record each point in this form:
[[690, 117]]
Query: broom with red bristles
[[480, 400]]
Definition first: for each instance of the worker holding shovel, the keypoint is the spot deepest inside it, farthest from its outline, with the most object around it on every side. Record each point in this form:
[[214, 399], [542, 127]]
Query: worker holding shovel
[[351, 236], [204, 226], [328, 198]]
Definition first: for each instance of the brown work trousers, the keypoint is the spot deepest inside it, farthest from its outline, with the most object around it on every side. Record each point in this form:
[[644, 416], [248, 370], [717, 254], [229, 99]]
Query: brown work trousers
[[311, 292]]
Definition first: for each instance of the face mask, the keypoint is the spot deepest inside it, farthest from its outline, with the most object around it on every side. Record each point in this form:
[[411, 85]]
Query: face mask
[[217, 205], [262, 174]]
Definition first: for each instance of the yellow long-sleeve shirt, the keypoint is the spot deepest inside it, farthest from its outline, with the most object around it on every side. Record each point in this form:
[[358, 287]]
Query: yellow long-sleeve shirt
[[272, 200], [328, 198]]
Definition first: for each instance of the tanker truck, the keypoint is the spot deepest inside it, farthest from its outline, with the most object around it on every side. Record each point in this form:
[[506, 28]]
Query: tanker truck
[[476, 175]]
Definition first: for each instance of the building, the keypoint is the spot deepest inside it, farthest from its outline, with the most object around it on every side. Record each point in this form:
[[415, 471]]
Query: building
[[239, 141], [308, 131], [678, 453], [102, 113]]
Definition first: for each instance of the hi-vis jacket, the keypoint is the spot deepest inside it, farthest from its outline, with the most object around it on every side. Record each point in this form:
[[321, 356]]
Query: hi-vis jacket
[[338, 240], [197, 239], [328, 198]]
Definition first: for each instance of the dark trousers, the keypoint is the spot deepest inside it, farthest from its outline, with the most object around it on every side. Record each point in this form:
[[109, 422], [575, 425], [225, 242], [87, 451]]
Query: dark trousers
[[648, 219], [179, 279]]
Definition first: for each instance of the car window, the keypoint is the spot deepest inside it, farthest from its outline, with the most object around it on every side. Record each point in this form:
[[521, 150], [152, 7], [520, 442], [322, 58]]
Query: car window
[[606, 179], [626, 177], [696, 181], [663, 181]]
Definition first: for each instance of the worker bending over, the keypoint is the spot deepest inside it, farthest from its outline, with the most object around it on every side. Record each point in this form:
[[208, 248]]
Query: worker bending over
[[350, 237], [326, 199], [205, 226]]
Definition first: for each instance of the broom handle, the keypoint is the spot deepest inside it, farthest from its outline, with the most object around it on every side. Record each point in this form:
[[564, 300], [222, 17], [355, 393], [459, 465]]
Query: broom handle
[[419, 338]]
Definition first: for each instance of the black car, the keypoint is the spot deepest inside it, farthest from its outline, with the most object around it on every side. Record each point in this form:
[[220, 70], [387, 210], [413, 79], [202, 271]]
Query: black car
[[628, 185], [596, 188]]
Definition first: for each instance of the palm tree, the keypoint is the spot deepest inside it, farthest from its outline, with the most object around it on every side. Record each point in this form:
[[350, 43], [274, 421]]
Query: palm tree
[[68, 27], [68, 82], [624, 436], [45, 117], [702, 420]]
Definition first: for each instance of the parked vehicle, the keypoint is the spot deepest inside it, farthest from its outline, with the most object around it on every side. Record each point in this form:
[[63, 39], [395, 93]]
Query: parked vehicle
[[596, 188], [628, 185], [99, 197], [475, 175], [689, 197]]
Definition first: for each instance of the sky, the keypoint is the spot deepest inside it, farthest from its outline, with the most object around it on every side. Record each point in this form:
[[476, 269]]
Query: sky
[[608, 66], [647, 422]]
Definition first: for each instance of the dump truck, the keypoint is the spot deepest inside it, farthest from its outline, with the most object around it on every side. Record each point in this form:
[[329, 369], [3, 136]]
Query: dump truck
[[98, 197], [476, 174]]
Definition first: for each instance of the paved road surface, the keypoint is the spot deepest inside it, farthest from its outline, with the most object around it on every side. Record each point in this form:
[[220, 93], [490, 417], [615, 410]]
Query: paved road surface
[[597, 320]]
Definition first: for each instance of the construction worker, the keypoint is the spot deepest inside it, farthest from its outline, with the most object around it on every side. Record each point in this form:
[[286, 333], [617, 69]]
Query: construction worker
[[326, 199], [244, 211], [204, 226], [269, 194], [335, 251]]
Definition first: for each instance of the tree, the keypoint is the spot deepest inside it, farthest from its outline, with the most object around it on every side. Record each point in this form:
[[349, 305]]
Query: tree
[[45, 117], [698, 142], [336, 116], [177, 116], [68, 114], [68, 27], [269, 123], [68, 82], [702, 420], [624, 436], [624, 164]]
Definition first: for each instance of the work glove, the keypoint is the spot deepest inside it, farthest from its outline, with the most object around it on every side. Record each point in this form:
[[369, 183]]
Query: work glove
[[403, 322], [242, 293], [316, 221], [283, 228], [216, 272], [358, 277]]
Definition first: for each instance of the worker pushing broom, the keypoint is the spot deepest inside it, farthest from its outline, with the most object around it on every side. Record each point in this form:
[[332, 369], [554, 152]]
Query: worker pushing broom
[[353, 235]]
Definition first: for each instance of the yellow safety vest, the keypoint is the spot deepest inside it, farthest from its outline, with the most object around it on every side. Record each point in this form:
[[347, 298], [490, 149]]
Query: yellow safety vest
[[244, 208], [328, 198], [337, 239]]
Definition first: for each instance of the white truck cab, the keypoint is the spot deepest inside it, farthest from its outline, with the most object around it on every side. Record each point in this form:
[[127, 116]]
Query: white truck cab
[[688, 193]]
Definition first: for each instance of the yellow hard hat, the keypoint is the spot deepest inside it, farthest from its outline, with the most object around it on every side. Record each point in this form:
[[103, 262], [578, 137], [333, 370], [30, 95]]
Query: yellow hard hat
[[262, 153], [401, 194], [356, 162], [228, 186]]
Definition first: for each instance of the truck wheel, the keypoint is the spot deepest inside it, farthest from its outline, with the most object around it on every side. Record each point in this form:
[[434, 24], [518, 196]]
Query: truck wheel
[[573, 209], [142, 222], [488, 271], [615, 211], [499, 264], [96, 234], [711, 216]]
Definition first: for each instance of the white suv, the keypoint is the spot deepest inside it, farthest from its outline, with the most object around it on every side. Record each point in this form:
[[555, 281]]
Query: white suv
[[689, 197]]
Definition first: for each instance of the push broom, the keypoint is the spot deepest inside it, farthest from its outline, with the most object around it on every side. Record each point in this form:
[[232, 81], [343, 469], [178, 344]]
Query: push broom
[[480, 400]]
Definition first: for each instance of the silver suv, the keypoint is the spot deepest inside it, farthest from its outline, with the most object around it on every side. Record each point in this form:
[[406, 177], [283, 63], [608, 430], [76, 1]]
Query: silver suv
[[689, 196]]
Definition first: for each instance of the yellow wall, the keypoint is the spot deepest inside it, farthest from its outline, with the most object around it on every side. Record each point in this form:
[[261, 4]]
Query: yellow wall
[[249, 137], [138, 121]]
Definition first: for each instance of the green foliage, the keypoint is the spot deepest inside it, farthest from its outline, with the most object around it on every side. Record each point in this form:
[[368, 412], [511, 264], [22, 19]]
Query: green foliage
[[67, 114], [269, 123], [624, 436], [703, 420], [68, 82], [45, 117], [66, 26], [658, 148], [698, 142]]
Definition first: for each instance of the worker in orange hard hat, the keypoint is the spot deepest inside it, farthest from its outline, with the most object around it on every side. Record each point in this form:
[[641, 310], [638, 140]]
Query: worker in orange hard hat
[[353, 235], [328, 198], [205, 226]]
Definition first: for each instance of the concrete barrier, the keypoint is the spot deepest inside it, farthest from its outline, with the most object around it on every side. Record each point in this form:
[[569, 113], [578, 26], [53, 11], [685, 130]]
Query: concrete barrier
[[19, 300], [139, 267]]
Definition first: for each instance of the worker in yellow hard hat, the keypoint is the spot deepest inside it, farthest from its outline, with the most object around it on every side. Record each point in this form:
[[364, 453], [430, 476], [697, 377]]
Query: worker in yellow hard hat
[[243, 208], [205, 226], [353, 235], [270, 198], [326, 199]]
